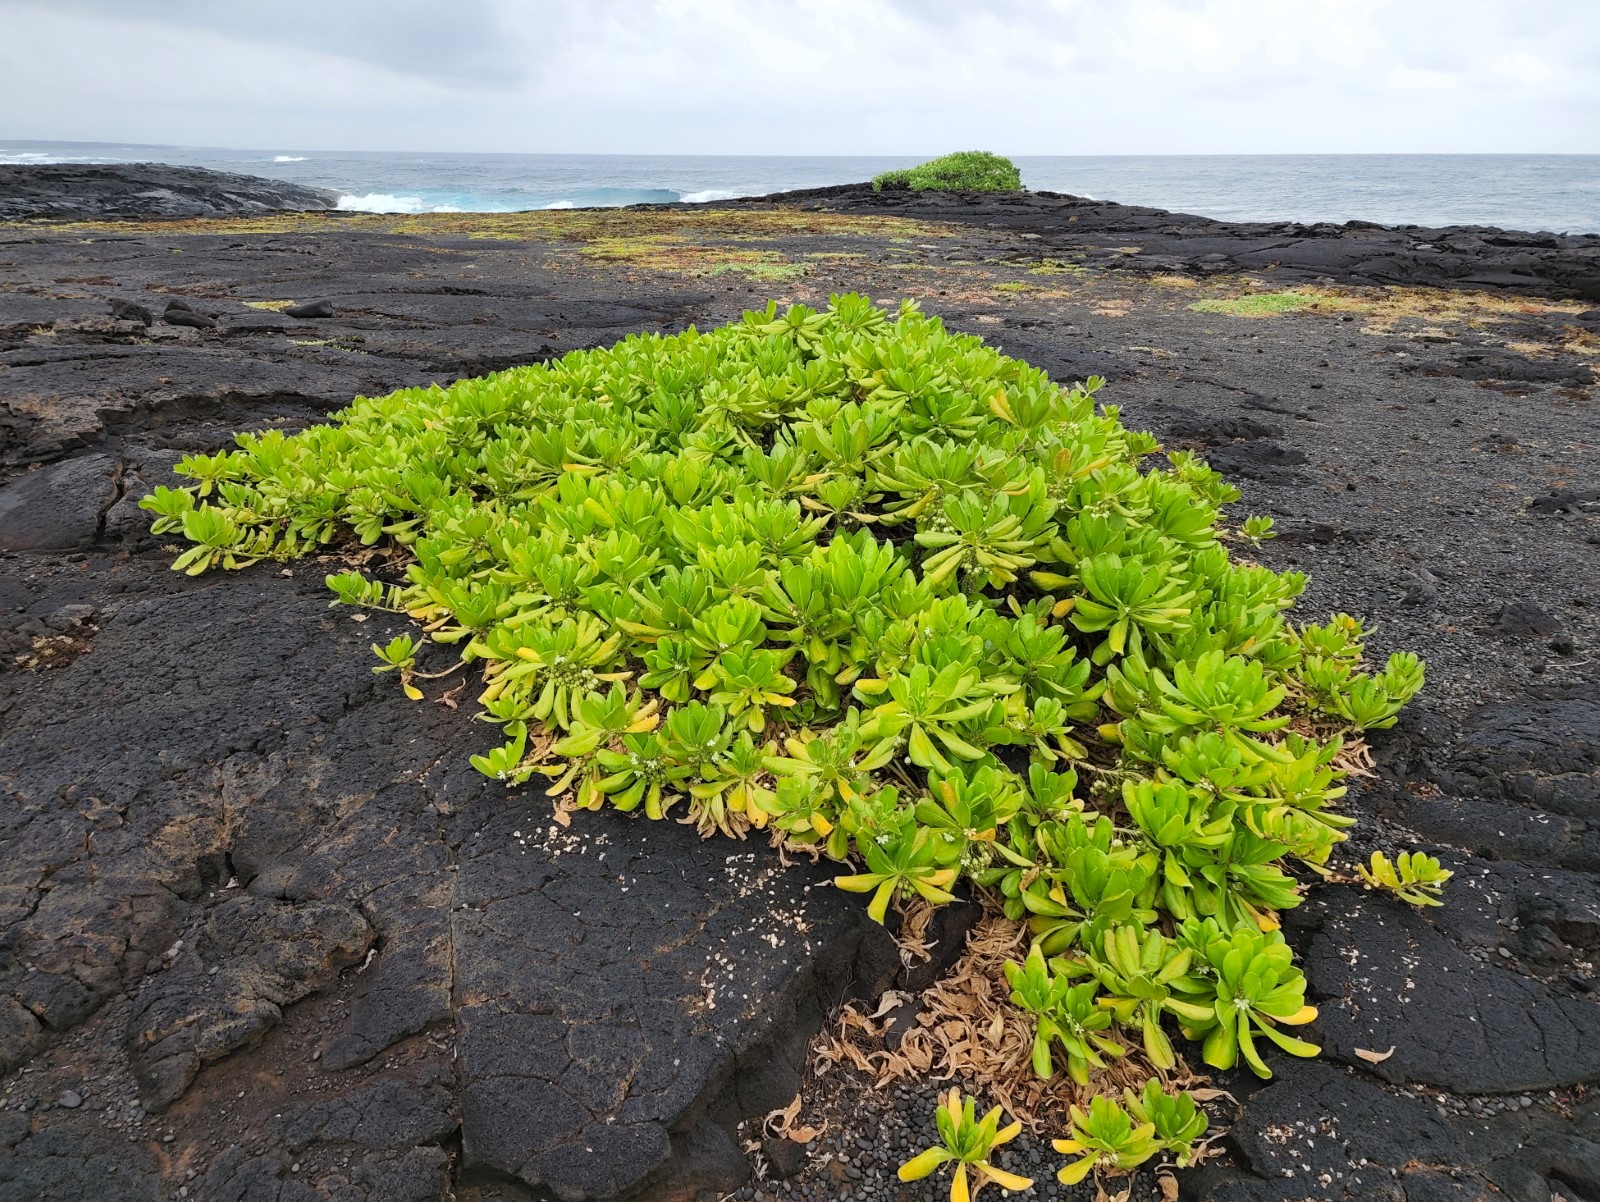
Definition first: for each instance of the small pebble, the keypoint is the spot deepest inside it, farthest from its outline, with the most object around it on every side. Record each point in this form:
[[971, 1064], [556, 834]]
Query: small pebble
[[70, 1099]]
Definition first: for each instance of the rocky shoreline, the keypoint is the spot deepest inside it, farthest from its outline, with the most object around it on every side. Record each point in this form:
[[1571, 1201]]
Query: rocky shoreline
[[78, 192], [1154, 241], [265, 935], [1117, 236]]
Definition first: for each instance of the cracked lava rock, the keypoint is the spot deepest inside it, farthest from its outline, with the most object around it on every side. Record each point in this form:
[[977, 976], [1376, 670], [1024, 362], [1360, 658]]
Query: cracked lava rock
[[278, 941]]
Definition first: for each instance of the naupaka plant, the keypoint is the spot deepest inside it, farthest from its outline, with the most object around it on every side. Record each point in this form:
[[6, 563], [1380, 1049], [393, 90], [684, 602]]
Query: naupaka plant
[[1414, 876], [886, 594], [966, 1143]]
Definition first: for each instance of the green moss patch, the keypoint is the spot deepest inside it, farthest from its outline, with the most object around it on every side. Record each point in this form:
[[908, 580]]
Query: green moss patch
[[1261, 304], [545, 225], [1058, 267], [670, 255]]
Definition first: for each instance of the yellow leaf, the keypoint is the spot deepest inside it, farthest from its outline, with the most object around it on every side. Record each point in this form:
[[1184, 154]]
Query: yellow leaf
[[1076, 1171], [1007, 1180], [921, 1165]]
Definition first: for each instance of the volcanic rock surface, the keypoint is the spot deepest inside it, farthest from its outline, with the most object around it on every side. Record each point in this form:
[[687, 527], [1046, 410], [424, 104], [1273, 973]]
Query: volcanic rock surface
[[1145, 240], [76, 191], [265, 934]]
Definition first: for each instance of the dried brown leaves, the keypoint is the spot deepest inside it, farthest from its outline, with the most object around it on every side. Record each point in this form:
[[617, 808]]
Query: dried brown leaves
[[1355, 758], [915, 945], [784, 1123], [968, 1029]]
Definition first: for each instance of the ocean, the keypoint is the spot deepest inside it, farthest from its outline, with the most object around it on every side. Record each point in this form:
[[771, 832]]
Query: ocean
[[1556, 193]]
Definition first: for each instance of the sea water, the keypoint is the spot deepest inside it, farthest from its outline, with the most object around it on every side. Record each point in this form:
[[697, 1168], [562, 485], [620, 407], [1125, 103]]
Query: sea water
[[1559, 193]]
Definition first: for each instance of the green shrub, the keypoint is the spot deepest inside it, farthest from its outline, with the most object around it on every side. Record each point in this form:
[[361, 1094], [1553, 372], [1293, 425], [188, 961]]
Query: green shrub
[[964, 171], [887, 593], [966, 1141]]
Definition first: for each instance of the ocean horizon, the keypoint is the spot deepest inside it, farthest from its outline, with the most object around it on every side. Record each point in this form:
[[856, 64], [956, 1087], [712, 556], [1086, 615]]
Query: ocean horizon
[[1541, 192]]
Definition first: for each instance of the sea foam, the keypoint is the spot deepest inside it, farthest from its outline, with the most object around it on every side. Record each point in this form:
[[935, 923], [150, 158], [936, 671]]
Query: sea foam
[[578, 198], [383, 202], [288, 158], [29, 158]]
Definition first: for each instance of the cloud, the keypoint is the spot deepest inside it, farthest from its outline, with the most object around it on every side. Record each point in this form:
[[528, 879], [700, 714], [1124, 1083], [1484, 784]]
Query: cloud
[[813, 76], [461, 40]]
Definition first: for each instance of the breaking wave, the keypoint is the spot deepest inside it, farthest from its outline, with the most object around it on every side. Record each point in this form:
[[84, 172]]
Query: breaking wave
[[288, 158], [518, 200], [27, 158], [384, 202]]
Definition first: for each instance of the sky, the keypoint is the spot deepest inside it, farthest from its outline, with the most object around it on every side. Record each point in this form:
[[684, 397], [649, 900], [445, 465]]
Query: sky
[[809, 76]]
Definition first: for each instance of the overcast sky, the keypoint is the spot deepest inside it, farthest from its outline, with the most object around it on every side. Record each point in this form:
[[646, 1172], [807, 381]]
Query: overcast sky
[[808, 76]]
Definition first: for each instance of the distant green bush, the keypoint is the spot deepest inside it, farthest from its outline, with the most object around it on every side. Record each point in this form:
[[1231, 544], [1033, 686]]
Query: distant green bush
[[964, 171]]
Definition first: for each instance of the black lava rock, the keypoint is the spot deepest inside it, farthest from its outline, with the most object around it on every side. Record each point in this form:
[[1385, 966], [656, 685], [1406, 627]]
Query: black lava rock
[[1257, 459], [77, 192], [784, 1157], [187, 317], [127, 310], [317, 308], [1524, 618], [1563, 500], [57, 508], [1356, 252]]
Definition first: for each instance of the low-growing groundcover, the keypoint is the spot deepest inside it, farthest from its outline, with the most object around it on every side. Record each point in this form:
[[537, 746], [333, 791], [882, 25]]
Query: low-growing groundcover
[[897, 599], [964, 171]]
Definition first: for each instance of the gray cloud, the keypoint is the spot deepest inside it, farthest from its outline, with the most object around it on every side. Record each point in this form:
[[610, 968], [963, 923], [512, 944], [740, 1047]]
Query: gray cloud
[[811, 76], [459, 40]]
